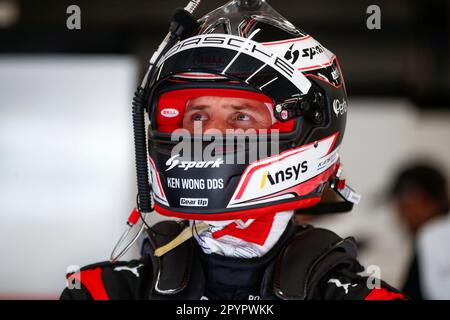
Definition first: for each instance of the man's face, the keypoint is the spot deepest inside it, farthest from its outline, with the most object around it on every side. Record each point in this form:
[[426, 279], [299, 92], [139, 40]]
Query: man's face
[[415, 207], [222, 113]]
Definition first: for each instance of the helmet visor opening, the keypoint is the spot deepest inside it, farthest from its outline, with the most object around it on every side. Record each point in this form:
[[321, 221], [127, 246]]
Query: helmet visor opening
[[200, 109]]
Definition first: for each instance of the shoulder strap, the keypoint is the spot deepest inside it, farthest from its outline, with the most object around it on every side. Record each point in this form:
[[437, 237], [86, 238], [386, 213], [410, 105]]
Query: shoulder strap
[[177, 274], [307, 258]]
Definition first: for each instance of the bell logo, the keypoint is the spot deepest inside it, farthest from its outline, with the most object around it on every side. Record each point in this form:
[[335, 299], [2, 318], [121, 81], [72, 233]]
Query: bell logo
[[292, 172], [169, 112]]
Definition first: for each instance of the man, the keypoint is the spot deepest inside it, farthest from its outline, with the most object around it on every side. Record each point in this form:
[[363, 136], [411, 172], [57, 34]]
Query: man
[[247, 114], [420, 196]]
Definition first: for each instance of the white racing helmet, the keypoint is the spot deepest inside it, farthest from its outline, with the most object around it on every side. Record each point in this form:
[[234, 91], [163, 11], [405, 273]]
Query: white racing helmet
[[246, 49]]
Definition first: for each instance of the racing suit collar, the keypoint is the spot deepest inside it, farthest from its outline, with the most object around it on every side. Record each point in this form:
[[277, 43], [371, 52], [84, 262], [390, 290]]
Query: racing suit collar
[[239, 272]]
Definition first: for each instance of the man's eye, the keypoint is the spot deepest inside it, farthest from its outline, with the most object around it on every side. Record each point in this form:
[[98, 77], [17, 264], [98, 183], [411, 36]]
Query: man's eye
[[198, 117], [242, 117]]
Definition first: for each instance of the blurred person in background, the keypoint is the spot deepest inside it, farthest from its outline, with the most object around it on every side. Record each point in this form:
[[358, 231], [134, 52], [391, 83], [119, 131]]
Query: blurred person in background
[[421, 200]]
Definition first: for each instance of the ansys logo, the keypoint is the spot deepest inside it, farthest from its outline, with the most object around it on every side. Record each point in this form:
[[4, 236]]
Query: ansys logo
[[280, 176]]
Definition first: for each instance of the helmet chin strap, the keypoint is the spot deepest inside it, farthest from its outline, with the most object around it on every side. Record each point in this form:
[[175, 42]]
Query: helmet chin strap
[[186, 234]]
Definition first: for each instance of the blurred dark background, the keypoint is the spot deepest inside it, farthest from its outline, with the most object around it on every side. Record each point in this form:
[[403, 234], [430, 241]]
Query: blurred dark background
[[408, 57]]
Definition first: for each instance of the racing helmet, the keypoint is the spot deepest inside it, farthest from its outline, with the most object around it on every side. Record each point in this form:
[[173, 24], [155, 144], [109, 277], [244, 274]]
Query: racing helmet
[[246, 49]]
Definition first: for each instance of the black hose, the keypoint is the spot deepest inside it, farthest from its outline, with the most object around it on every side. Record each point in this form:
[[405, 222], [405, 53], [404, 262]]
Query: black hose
[[140, 145], [182, 25]]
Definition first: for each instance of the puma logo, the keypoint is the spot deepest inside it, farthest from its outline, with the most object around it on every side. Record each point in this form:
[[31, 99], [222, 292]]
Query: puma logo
[[339, 284], [133, 270]]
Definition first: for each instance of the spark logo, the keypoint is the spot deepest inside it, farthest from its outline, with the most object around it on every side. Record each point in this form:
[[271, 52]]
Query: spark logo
[[186, 165], [311, 52], [292, 172]]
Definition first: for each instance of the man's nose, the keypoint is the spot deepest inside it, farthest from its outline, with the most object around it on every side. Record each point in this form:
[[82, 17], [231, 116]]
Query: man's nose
[[216, 124]]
